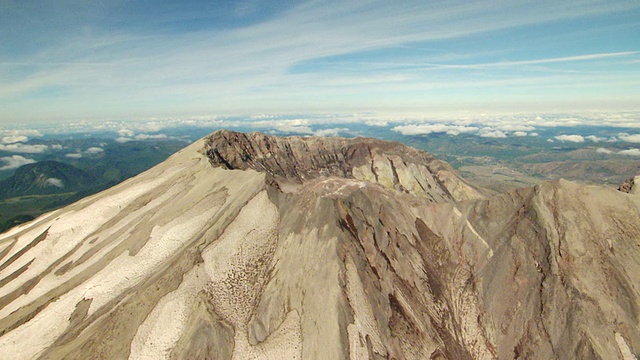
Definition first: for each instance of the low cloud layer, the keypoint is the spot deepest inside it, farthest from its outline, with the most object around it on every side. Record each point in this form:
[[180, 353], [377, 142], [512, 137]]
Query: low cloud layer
[[570, 138], [497, 132], [425, 129], [14, 162], [24, 148], [54, 182], [14, 139], [595, 138], [128, 135], [125, 132], [488, 133], [630, 152], [94, 150], [150, 137], [635, 138], [379, 123], [330, 132]]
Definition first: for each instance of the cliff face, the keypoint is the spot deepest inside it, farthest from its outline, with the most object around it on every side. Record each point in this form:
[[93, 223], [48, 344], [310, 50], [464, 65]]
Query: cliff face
[[308, 248], [300, 159], [632, 185]]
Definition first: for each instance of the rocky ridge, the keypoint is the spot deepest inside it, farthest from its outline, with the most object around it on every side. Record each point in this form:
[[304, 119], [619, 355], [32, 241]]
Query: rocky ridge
[[311, 248], [300, 159], [631, 185]]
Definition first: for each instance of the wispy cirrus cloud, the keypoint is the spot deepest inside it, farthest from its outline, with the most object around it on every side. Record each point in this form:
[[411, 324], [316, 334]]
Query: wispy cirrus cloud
[[148, 67], [565, 59]]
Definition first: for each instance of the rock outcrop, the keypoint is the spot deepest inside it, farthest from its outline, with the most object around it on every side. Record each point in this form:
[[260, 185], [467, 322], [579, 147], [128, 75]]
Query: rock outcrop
[[300, 159], [631, 186], [309, 248]]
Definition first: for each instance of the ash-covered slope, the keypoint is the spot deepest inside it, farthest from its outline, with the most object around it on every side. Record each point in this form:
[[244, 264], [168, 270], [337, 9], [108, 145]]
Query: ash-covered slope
[[323, 249]]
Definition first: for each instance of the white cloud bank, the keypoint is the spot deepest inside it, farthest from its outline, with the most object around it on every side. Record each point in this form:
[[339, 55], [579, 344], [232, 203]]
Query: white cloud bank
[[380, 123], [425, 129], [604, 151], [493, 129], [14, 139], [330, 132], [635, 138], [150, 137], [14, 162], [630, 152], [24, 148], [21, 132], [74, 155], [570, 138], [594, 138], [94, 150], [125, 132], [54, 182], [489, 133]]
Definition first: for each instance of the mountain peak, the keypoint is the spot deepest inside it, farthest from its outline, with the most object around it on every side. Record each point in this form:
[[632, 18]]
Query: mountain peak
[[302, 159]]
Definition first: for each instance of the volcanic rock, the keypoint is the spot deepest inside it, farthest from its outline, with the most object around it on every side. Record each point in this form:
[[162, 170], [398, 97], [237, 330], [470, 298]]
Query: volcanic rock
[[631, 185], [252, 246], [300, 159]]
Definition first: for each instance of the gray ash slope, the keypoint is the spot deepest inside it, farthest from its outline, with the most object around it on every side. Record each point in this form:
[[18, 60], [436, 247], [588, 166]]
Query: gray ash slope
[[323, 248]]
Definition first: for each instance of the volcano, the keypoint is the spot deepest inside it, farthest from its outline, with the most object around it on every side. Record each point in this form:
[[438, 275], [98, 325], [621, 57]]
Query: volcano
[[248, 246]]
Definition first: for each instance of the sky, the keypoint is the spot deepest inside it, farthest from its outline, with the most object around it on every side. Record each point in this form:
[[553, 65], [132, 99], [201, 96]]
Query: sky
[[69, 60]]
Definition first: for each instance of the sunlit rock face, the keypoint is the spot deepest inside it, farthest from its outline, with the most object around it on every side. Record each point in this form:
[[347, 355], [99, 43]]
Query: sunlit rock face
[[301, 159], [631, 186], [247, 246]]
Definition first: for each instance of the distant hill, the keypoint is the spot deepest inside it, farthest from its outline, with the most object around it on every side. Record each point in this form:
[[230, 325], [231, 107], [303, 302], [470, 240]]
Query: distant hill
[[44, 178]]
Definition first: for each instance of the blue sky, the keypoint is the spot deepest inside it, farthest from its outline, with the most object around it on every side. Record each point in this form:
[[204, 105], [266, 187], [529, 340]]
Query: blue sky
[[69, 59]]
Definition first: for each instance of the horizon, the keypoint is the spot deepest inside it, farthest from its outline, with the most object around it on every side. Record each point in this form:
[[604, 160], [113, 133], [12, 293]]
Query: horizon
[[68, 62]]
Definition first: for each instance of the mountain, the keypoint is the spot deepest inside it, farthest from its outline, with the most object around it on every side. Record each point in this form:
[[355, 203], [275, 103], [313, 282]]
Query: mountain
[[253, 246], [45, 177]]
